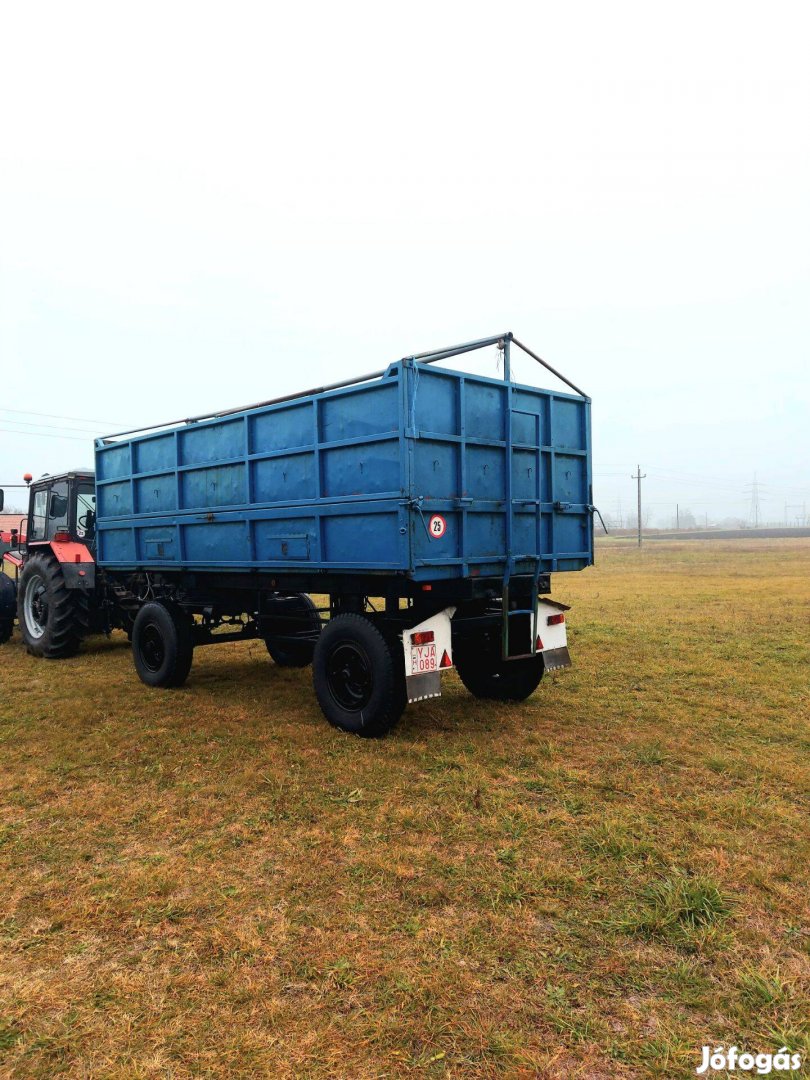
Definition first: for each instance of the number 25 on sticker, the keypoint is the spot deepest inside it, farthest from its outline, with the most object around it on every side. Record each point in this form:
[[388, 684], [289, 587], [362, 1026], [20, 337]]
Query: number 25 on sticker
[[437, 527]]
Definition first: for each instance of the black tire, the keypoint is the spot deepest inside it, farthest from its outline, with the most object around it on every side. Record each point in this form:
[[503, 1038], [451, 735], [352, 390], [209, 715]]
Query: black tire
[[162, 645], [487, 676], [359, 677], [53, 619], [307, 621], [8, 607]]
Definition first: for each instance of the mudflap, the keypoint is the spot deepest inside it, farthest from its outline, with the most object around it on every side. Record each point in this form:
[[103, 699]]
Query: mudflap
[[556, 658], [552, 635], [428, 650], [79, 576], [421, 687]]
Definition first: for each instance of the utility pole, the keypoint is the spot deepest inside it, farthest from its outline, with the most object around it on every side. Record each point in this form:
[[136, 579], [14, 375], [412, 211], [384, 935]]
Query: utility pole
[[677, 518], [796, 520], [638, 477], [754, 511]]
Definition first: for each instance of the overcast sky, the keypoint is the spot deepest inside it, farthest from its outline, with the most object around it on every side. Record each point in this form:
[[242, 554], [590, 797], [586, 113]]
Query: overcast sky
[[206, 205]]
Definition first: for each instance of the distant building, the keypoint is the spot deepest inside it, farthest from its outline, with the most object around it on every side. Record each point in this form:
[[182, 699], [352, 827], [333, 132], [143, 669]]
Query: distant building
[[10, 521]]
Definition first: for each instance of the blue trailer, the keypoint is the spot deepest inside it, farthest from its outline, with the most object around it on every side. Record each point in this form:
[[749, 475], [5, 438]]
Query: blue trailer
[[427, 506]]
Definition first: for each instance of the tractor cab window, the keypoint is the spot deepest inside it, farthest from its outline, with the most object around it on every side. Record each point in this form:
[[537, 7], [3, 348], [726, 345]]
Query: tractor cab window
[[86, 511], [64, 507], [39, 515], [57, 509]]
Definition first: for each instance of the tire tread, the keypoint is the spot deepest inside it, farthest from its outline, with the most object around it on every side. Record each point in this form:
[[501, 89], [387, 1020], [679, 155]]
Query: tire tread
[[176, 627], [391, 696], [69, 611]]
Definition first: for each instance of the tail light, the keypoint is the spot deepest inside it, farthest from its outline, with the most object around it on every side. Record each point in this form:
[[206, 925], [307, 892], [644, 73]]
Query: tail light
[[422, 637], [555, 620], [61, 537]]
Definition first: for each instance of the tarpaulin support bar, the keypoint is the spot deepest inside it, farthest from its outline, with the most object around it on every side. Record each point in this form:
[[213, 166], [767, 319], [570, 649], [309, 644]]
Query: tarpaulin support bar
[[432, 357]]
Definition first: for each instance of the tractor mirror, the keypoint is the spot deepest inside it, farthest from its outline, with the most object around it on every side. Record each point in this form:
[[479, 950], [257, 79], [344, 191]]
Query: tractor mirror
[[59, 506], [2, 499]]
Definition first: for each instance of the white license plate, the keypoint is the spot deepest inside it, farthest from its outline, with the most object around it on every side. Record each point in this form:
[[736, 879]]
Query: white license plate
[[423, 658]]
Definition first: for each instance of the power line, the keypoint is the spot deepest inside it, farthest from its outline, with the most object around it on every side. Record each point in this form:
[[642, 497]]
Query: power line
[[48, 427], [59, 416], [727, 483], [711, 491], [718, 483], [42, 435]]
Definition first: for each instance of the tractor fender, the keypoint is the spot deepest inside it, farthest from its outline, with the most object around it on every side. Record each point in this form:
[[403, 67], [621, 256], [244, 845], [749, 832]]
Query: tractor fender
[[76, 561]]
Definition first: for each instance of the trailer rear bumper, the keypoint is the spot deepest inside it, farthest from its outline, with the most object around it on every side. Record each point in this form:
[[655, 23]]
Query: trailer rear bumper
[[428, 646]]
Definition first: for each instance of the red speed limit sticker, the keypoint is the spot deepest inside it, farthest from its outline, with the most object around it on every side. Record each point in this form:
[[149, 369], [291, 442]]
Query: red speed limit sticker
[[437, 527]]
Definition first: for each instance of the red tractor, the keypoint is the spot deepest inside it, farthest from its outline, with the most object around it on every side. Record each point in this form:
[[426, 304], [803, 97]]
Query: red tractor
[[49, 570]]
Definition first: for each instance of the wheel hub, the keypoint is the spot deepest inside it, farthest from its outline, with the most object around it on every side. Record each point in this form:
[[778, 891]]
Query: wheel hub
[[35, 606], [350, 677], [152, 649]]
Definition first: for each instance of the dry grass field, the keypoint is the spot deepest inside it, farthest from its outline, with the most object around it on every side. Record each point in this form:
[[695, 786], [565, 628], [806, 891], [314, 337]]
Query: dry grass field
[[214, 882]]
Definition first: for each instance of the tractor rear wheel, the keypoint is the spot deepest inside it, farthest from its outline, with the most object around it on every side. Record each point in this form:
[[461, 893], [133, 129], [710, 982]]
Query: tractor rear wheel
[[162, 644], [53, 619], [304, 619], [6, 630], [359, 678]]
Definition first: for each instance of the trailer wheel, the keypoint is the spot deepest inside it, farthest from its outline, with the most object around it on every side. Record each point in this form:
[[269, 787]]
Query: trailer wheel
[[307, 621], [359, 681], [489, 677], [162, 645], [53, 619]]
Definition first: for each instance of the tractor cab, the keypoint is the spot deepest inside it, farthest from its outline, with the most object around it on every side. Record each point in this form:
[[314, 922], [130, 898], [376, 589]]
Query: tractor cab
[[62, 508], [48, 577]]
